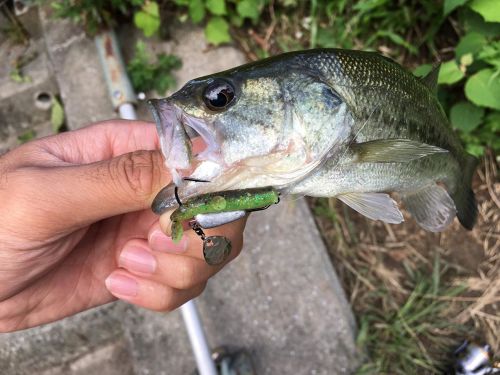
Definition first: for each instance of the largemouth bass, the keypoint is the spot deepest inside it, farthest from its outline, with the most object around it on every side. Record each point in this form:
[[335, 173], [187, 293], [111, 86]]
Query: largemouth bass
[[326, 123]]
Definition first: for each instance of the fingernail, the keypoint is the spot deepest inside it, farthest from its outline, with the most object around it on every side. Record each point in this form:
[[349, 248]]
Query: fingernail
[[120, 285], [137, 259], [159, 241]]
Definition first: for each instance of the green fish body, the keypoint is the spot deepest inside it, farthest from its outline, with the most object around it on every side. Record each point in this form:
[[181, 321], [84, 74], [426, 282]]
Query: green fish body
[[327, 123]]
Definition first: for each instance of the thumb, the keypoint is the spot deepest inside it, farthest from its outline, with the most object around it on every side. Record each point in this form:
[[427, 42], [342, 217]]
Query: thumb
[[82, 194]]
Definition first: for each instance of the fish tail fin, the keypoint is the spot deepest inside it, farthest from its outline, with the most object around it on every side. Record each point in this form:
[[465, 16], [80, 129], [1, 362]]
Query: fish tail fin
[[464, 197], [431, 207]]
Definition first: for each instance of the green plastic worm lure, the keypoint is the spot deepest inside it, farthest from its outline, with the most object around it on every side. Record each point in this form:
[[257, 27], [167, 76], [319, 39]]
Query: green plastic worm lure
[[217, 248]]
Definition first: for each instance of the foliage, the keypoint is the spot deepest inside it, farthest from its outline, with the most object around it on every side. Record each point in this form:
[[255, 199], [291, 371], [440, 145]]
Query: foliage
[[320, 23], [93, 15], [220, 14], [470, 81], [148, 18], [147, 74]]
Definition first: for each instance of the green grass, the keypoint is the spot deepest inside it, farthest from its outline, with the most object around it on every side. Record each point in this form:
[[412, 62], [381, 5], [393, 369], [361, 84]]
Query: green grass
[[407, 338]]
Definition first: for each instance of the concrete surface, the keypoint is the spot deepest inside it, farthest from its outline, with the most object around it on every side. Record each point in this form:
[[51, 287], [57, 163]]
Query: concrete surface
[[281, 299], [18, 112], [56, 346], [77, 71]]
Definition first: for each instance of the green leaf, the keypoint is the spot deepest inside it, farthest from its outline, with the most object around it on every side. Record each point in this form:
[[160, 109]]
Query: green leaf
[[466, 116], [450, 73], [422, 70], [196, 10], [148, 18], [249, 9], [489, 9], [470, 43], [27, 136], [56, 115], [474, 149], [483, 88], [217, 7], [491, 54], [451, 5], [493, 122], [474, 22], [217, 31]]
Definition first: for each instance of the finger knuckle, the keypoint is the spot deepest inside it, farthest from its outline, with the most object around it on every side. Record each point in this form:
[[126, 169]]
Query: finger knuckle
[[198, 289], [141, 172], [167, 304], [172, 302]]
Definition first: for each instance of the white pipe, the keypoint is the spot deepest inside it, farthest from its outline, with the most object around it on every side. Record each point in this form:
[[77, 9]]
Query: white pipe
[[127, 111], [201, 350], [204, 361]]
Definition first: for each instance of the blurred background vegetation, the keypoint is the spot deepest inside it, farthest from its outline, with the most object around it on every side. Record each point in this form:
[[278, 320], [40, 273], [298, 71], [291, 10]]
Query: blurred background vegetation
[[415, 294]]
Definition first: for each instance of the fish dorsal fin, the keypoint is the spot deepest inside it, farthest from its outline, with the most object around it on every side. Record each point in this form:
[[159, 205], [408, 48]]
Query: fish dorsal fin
[[432, 207], [431, 79], [393, 151], [376, 206]]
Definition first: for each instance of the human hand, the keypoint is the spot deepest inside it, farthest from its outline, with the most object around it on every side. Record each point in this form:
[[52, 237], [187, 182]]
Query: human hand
[[77, 230]]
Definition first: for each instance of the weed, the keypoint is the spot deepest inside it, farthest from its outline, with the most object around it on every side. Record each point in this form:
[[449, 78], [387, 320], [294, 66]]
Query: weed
[[17, 65], [27, 136], [146, 74], [94, 15], [57, 115], [399, 338]]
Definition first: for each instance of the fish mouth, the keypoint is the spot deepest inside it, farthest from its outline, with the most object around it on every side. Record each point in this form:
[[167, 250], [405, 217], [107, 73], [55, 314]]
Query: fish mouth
[[176, 131]]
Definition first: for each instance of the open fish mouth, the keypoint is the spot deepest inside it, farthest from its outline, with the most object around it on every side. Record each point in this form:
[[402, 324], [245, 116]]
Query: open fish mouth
[[176, 130]]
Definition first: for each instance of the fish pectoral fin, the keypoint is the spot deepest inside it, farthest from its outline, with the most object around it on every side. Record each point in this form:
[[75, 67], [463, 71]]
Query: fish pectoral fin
[[393, 151], [431, 79], [432, 207], [376, 206]]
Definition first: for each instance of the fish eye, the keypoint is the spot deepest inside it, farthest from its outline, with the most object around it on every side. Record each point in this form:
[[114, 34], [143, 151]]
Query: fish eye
[[218, 95]]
